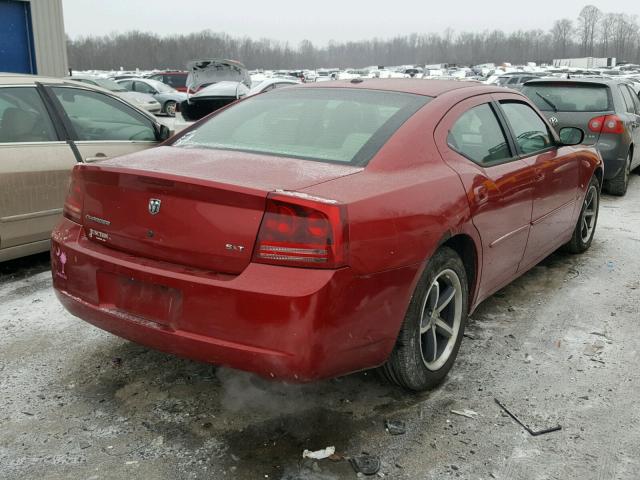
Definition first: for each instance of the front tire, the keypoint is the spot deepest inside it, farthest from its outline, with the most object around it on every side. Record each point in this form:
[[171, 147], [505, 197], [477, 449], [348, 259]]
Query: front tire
[[586, 225], [170, 108], [618, 184], [433, 327]]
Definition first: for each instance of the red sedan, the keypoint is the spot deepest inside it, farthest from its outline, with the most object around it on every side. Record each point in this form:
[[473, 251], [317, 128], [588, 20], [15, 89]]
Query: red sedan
[[319, 230]]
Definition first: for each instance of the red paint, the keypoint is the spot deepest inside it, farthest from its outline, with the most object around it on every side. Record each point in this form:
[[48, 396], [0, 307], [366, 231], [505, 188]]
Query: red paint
[[182, 290]]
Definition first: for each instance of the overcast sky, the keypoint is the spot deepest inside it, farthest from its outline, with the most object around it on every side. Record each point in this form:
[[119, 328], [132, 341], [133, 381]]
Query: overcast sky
[[320, 20]]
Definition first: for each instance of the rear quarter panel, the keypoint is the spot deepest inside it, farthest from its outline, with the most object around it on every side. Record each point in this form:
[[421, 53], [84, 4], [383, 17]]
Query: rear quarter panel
[[405, 202]]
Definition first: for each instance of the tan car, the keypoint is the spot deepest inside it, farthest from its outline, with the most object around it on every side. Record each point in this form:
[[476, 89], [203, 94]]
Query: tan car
[[47, 125]]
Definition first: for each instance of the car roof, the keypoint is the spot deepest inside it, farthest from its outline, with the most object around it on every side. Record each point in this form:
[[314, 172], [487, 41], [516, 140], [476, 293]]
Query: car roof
[[23, 79], [578, 81], [416, 86]]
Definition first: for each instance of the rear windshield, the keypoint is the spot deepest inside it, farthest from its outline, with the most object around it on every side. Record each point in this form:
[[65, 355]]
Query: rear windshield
[[326, 124], [569, 98]]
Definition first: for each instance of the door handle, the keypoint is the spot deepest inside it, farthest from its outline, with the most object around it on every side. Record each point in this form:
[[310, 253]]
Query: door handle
[[98, 156], [539, 175]]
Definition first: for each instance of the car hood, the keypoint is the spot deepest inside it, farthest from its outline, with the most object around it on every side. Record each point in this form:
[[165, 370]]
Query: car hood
[[202, 72]]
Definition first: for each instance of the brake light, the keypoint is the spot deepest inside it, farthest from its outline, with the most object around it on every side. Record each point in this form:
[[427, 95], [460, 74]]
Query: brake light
[[302, 232], [607, 124], [75, 197]]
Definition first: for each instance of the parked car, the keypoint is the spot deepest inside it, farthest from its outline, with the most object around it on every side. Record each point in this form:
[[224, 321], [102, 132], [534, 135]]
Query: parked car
[[175, 79], [217, 83], [516, 80], [47, 126], [271, 84], [139, 99], [607, 109], [313, 231], [168, 97]]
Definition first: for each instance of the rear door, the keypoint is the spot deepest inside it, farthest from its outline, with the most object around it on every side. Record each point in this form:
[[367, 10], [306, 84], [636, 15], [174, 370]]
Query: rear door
[[631, 115], [103, 126], [499, 185], [556, 173], [35, 162]]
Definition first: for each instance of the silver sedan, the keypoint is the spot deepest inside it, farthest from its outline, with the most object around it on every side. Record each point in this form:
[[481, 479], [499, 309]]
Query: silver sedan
[[167, 96]]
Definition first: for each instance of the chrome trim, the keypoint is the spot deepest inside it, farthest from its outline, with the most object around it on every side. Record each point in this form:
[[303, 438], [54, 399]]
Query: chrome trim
[[292, 259], [29, 216], [508, 235], [52, 143], [553, 212], [99, 220], [310, 251]]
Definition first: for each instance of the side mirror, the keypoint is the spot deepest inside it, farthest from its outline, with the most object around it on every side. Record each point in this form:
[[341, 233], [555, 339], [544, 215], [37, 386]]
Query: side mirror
[[571, 136], [163, 132]]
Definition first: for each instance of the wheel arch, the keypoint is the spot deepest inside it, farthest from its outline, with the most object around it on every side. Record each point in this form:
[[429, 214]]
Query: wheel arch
[[464, 245]]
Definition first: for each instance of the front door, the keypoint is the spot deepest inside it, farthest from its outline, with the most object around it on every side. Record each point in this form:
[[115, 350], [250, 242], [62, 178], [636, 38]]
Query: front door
[[34, 170], [556, 173], [102, 126]]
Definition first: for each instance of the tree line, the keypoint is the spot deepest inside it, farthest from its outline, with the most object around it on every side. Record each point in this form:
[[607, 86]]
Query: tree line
[[592, 33]]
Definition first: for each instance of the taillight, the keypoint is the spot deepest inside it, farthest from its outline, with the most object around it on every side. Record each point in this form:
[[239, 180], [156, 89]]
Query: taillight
[[607, 124], [303, 232], [73, 203]]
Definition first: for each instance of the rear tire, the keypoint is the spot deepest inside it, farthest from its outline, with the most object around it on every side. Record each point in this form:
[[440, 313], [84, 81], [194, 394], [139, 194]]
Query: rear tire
[[586, 226], [433, 327], [618, 185]]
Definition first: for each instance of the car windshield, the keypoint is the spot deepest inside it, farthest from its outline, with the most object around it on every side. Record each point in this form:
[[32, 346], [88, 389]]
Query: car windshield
[[324, 124], [569, 98]]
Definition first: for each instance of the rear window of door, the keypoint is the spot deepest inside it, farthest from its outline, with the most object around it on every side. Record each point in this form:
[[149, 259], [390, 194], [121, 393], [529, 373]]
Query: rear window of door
[[99, 117], [175, 81], [143, 87], [477, 135], [530, 132], [23, 116], [550, 97], [628, 100]]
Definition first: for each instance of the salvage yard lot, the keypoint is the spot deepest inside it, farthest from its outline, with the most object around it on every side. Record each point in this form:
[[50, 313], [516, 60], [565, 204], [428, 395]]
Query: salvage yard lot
[[558, 346]]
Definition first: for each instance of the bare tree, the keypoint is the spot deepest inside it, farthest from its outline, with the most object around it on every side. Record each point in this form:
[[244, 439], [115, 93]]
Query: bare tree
[[615, 35], [587, 27], [562, 31]]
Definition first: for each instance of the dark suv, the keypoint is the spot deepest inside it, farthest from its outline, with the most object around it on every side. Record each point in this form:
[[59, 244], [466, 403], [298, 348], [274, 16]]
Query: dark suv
[[607, 110]]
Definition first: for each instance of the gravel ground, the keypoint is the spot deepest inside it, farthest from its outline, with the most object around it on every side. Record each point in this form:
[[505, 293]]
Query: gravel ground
[[558, 346]]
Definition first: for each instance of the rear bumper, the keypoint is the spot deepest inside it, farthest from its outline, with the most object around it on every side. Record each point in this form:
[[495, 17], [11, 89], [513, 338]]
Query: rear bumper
[[614, 155], [288, 323]]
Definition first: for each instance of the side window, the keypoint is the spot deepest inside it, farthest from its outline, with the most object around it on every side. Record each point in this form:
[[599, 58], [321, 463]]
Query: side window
[[23, 116], [96, 116], [628, 100], [514, 80], [478, 136], [128, 84], [530, 131], [635, 99], [142, 87]]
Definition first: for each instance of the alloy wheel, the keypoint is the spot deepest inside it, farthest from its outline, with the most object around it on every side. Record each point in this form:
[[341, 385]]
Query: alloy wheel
[[440, 319], [589, 214]]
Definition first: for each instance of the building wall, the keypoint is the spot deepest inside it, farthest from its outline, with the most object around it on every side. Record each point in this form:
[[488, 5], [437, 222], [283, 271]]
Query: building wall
[[49, 37], [33, 39]]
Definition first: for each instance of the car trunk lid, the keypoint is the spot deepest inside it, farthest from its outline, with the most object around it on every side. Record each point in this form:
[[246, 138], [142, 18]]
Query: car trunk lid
[[198, 208]]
